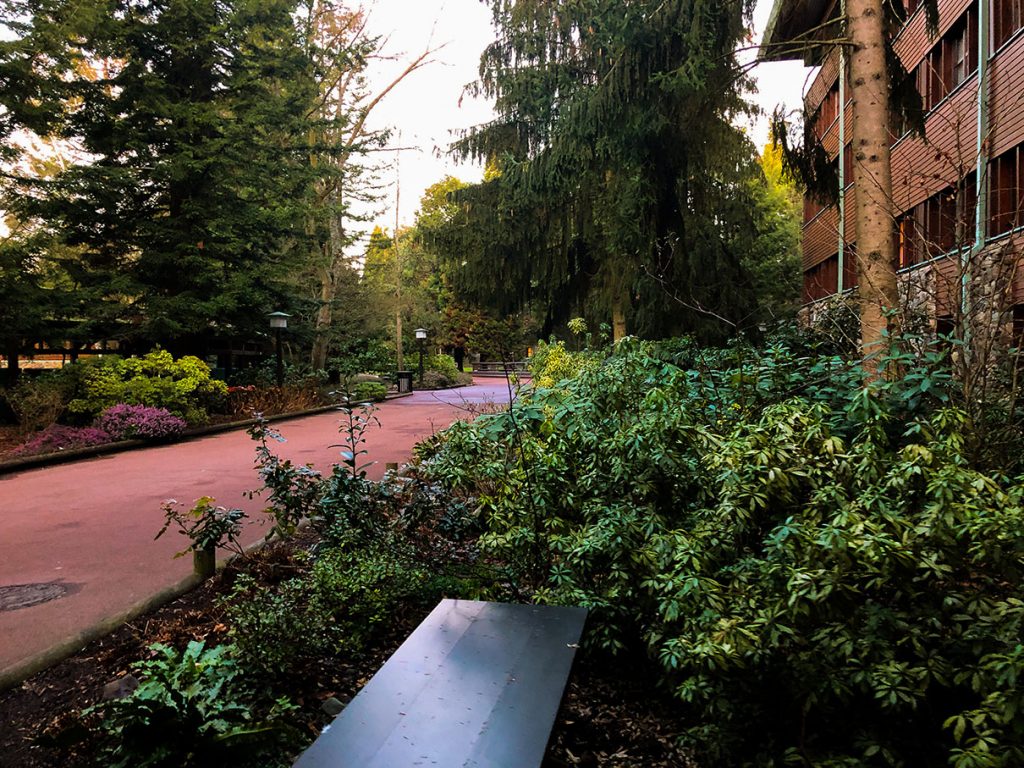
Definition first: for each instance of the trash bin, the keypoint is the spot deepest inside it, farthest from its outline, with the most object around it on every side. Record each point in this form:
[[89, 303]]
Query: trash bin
[[404, 381]]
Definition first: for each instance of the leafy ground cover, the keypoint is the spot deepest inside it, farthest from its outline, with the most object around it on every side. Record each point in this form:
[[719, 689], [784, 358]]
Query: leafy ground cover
[[605, 720], [821, 572]]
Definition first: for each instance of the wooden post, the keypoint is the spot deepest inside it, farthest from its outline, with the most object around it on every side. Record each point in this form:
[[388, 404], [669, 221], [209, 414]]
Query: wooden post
[[204, 562]]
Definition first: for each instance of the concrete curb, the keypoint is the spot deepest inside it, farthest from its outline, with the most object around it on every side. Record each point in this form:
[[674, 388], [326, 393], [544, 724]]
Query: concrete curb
[[58, 652], [76, 454]]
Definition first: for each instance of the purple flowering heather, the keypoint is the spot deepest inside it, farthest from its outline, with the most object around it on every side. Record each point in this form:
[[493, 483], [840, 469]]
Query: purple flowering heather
[[58, 437], [131, 422]]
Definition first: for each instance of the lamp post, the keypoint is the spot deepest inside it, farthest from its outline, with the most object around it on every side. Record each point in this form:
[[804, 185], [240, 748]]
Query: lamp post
[[421, 337], [279, 321]]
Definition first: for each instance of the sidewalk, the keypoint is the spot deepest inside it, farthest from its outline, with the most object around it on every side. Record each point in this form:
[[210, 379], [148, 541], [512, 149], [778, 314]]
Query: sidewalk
[[84, 530]]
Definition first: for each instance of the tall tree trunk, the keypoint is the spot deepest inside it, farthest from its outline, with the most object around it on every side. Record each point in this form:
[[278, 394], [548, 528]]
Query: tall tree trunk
[[872, 173], [330, 277], [398, 338], [619, 317], [324, 317]]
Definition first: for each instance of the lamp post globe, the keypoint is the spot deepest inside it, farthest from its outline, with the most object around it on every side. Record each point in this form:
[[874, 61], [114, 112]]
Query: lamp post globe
[[278, 322], [421, 337]]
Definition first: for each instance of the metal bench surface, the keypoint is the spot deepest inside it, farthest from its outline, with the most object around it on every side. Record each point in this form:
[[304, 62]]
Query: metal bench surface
[[475, 685]]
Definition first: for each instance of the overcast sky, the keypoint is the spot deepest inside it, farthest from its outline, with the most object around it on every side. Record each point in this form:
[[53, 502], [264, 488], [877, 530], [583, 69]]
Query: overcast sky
[[429, 107]]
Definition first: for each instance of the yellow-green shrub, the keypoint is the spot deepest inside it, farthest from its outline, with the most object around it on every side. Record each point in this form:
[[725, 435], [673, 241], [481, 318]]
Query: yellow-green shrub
[[183, 387]]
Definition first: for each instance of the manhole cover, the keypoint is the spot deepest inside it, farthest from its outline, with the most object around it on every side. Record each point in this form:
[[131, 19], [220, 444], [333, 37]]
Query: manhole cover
[[18, 596]]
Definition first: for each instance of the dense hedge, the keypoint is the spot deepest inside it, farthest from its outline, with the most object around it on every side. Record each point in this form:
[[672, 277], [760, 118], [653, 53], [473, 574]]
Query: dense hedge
[[823, 573]]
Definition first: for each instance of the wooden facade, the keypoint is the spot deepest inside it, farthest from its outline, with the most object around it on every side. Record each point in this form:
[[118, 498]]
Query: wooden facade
[[971, 77]]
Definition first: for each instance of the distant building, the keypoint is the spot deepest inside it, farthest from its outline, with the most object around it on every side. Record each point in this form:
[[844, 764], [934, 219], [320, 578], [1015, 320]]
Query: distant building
[[958, 193]]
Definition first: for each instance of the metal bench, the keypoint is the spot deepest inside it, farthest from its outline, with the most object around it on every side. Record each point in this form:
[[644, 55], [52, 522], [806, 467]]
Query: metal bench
[[501, 368], [476, 684]]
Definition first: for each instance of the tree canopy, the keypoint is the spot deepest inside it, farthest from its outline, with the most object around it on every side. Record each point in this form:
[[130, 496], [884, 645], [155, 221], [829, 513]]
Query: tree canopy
[[621, 177]]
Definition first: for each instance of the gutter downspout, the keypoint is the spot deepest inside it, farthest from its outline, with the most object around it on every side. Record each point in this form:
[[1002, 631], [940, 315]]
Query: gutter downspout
[[981, 170], [842, 156]]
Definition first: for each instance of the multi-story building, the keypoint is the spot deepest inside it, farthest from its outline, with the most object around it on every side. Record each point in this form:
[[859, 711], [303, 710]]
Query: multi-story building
[[958, 191]]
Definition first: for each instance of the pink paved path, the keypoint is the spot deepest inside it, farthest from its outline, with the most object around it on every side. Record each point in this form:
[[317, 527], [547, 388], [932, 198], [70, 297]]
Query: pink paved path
[[90, 524]]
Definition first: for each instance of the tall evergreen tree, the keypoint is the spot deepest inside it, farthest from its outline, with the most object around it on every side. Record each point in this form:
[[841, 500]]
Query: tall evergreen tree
[[622, 175], [191, 121]]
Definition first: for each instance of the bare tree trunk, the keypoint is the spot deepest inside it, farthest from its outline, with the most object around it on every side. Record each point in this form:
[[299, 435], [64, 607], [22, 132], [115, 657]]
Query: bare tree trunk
[[344, 95], [322, 324], [329, 277], [619, 317], [876, 269]]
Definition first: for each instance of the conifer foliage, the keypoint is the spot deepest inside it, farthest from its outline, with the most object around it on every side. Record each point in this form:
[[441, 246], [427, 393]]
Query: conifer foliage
[[186, 123], [618, 176]]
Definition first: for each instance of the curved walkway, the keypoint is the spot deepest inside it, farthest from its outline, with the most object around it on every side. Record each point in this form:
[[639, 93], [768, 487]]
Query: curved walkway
[[88, 527]]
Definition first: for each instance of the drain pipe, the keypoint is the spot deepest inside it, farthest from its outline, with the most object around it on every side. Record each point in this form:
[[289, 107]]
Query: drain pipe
[[980, 174], [841, 258]]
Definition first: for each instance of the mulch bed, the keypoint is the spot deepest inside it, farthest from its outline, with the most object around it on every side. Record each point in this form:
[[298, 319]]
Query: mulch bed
[[605, 720]]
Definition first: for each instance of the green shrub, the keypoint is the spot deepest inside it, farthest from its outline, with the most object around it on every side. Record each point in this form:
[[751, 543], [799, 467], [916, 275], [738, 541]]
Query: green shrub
[[553, 363], [263, 374], [440, 372], [337, 607], [40, 402], [443, 364], [364, 356], [818, 570], [183, 386], [439, 380], [368, 392], [193, 709]]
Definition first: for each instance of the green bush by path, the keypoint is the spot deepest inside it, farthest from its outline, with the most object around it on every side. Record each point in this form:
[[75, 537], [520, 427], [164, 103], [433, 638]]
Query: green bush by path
[[368, 392], [183, 387], [440, 371], [553, 363], [340, 606], [824, 573], [193, 709]]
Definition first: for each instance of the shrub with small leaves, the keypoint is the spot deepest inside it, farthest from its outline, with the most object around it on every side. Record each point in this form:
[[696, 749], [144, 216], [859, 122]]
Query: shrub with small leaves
[[819, 569], [184, 386], [368, 392], [337, 607], [139, 422], [58, 437], [38, 403]]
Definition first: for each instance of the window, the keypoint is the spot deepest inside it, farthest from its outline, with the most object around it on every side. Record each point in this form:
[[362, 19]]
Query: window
[[951, 62], [828, 112], [945, 325], [1007, 19], [907, 250], [849, 266], [960, 49], [848, 164], [942, 223], [1005, 178], [1017, 318]]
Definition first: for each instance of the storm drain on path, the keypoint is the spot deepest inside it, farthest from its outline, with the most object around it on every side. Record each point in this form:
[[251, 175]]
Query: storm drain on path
[[17, 596]]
